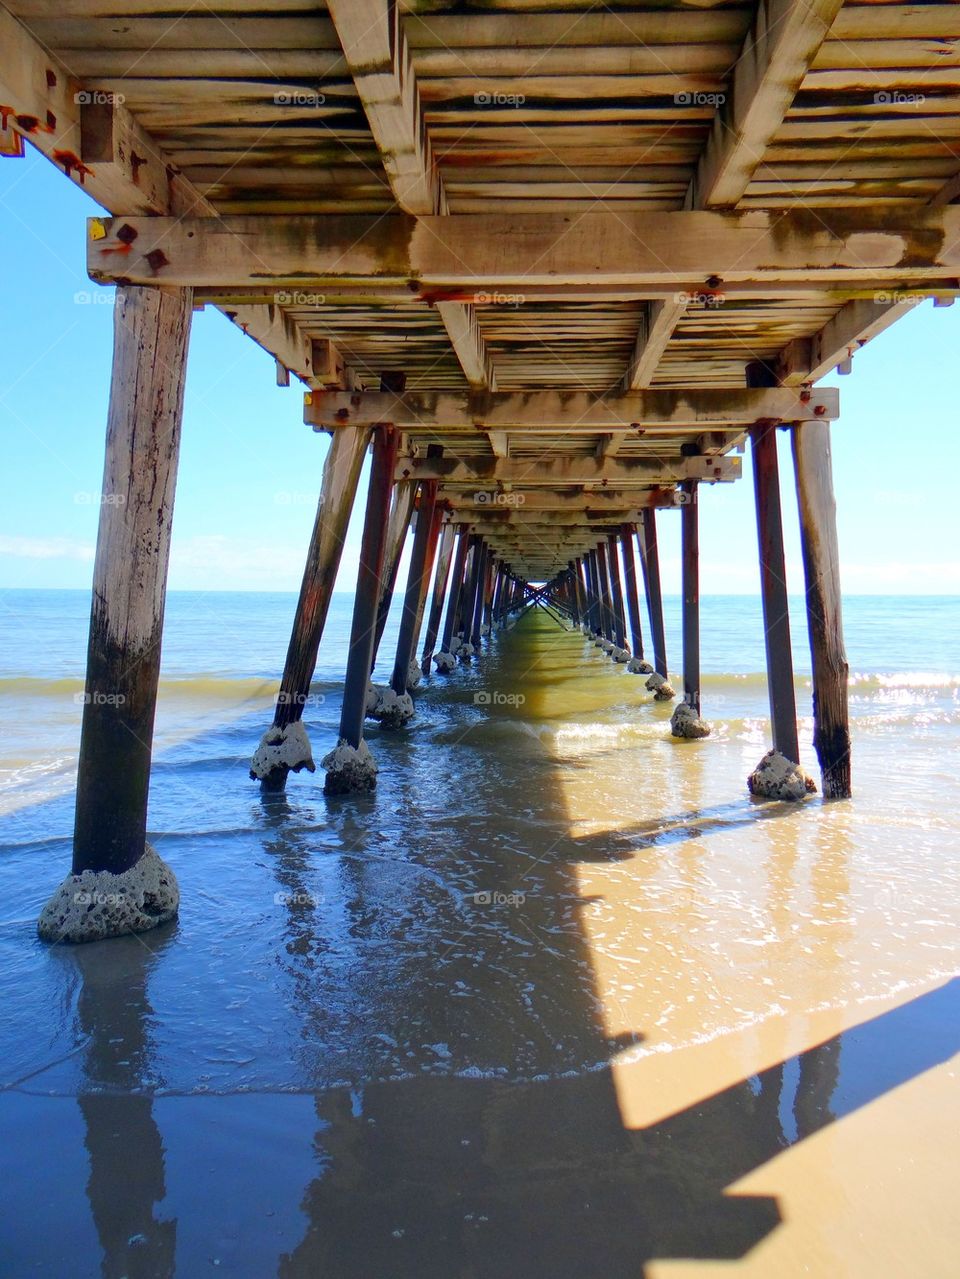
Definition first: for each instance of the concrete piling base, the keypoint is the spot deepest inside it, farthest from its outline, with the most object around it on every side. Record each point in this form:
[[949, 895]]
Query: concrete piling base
[[777, 777], [662, 691], [620, 655], [349, 769], [99, 904], [281, 751], [392, 710], [637, 666], [414, 676], [445, 662], [685, 722]]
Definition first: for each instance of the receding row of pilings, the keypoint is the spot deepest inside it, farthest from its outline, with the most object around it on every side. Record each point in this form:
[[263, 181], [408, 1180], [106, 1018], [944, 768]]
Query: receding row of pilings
[[118, 884]]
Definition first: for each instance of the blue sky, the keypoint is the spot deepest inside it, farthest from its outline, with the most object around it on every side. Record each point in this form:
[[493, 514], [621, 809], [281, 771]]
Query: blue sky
[[250, 469]]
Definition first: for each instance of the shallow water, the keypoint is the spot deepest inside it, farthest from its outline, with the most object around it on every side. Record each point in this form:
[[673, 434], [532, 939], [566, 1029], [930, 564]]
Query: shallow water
[[532, 1008]]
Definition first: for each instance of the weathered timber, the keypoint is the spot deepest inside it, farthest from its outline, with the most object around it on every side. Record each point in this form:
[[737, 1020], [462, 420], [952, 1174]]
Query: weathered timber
[[415, 587], [510, 251], [773, 593], [630, 590], [151, 334], [441, 576], [821, 566], [690, 558], [648, 546], [369, 587], [551, 470], [575, 412]]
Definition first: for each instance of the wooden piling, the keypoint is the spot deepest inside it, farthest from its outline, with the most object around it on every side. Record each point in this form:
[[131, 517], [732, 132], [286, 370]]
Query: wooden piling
[[481, 576], [690, 556], [456, 587], [650, 567], [616, 593], [411, 598], [441, 577], [369, 586], [773, 591], [398, 524], [338, 487], [821, 566], [151, 336], [630, 589]]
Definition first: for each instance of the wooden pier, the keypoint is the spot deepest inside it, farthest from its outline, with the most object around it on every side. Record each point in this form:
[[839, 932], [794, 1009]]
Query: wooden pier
[[558, 267]]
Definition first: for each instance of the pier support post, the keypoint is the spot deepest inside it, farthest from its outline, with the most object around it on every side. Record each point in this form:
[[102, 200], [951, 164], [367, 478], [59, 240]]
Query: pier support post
[[444, 556], [398, 524], [118, 883], [401, 709], [650, 565], [821, 567], [620, 652], [476, 623], [414, 670], [285, 747], [686, 720], [445, 660], [778, 775], [606, 609], [350, 766], [468, 596], [636, 665]]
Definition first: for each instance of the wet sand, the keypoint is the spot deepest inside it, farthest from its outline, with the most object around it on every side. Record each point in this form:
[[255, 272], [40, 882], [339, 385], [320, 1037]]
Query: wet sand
[[559, 1000]]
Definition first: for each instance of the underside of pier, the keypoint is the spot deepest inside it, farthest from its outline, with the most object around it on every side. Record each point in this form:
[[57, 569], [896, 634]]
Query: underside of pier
[[554, 266]]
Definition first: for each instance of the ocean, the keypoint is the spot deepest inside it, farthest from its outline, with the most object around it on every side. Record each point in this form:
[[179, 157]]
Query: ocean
[[372, 1011]]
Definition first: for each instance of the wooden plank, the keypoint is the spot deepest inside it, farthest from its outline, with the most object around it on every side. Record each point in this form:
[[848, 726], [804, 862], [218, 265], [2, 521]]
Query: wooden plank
[[569, 470], [657, 323], [375, 45], [600, 502], [509, 251], [776, 56], [574, 412]]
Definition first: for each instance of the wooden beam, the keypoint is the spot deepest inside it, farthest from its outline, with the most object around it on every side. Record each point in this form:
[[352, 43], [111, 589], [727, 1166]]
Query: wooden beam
[[375, 46], [569, 470], [572, 412], [657, 323], [776, 56], [807, 359], [470, 503], [681, 249]]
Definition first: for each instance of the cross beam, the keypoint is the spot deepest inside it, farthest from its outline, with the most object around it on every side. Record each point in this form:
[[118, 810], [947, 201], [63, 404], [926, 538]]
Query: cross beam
[[568, 470], [684, 249], [573, 412]]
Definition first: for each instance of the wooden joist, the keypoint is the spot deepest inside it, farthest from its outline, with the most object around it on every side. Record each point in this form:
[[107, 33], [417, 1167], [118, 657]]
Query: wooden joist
[[657, 323], [777, 54], [444, 253], [553, 470], [375, 46], [573, 412]]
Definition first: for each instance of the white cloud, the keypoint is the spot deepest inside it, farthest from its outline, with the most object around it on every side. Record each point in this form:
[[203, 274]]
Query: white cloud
[[45, 548]]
